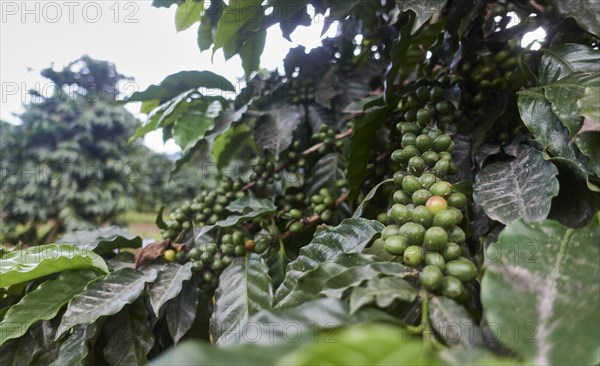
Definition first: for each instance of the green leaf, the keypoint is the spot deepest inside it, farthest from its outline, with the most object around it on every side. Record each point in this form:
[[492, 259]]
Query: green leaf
[[522, 187], [232, 145], [177, 83], [20, 351], [338, 11], [188, 13], [193, 124], [43, 303], [244, 290], [276, 259], [565, 59], [541, 269], [367, 344], [26, 265], [168, 284], [423, 9], [326, 172], [255, 208], [453, 324], [234, 17], [102, 240], [361, 208], [361, 147], [536, 113], [251, 51], [311, 283], [352, 235], [75, 349], [104, 297], [309, 320], [398, 51], [585, 12], [129, 336], [589, 106], [181, 312], [337, 285], [383, 292], [274, 130], [208, 24]]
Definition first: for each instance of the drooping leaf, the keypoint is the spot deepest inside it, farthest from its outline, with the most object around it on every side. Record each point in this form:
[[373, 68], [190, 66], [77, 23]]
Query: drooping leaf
[[244, 290], [20, 351], [352, 235], [398, 50], [272, 327], [365, 344], [363, 205], [326, 172], [423, 9], [251, 51], [102, 240], [383, 292], [522, 187], [250, 207], [104, 297], [168, 284], [276, 259], [585, 12], [188, 13], [547, 275], [43, 303], [74, 349], [181, 312], [361, 144], [565, 59], [237, 14], [453, 324], [177, 83], [128, 336], [26, 265], [311, 283], [193, 124], [274, 130]]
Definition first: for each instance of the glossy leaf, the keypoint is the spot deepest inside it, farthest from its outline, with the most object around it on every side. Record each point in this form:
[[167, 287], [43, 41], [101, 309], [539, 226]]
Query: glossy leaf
[[363, 205], [104, 297], [352, 235], [128, 336], [181, 312], [168, 284], [252, 208], [274, 130], [43, 303], [383, 292], [26, 265], [20, 351], [541, 269], [453, 324], [522, 187], [102, 240], [585, 12], [75, 348], [244, 290], [565, 59], [326, 172]]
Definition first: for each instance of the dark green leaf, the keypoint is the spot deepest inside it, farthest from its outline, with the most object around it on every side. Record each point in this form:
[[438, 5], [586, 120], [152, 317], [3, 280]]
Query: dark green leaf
[[274, 130], [168, 284], [383, 292], [251, 51], [453, 324], [565, 59], [256, 208], [423, 9], [181, 312], [361, 147], [338, 11], [244, 290], [326, 172], [128, 336], [541, 269], [20, 351], [102, 240], [106, 296], [74, 349], [352, 235], [522, 187], [245, 205], [361, 208], [585, 12], [43, 303], [26, 265]]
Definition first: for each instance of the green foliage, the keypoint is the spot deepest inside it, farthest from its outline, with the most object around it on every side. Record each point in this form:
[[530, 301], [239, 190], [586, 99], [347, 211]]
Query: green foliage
[[421, 169]]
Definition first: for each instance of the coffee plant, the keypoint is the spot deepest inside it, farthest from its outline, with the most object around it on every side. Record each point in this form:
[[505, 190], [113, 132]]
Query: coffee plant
[[421, 189]]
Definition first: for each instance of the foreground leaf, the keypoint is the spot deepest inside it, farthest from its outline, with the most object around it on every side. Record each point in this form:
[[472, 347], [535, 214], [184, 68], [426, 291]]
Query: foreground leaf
[[129, 336], [352, 235], [244, 290], [383, 292], [43, 303], [104, 297], [523, 187], [20, 351], [547, 275], [168, 284], [181, 312], [453, 324], [102, 240], [26, 265], [75, 349]]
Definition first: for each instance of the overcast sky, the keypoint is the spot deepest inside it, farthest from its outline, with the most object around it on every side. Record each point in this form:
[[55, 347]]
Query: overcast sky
[[141, 40]]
